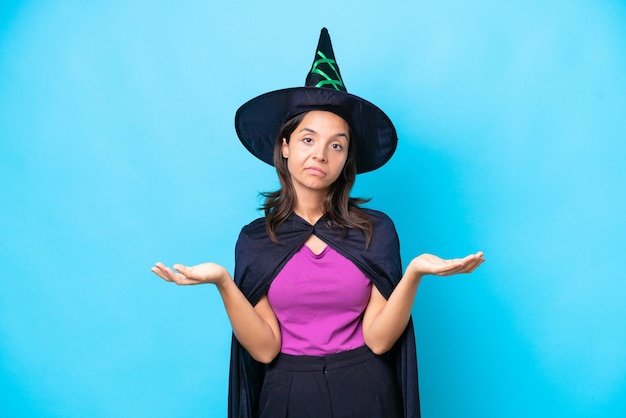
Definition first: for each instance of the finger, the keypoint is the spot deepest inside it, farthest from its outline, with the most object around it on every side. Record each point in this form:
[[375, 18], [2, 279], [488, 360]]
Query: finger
[[476, 265], [460, 265], [450, 267], [156, 271], [156, 268], [471, 265], [184, 270], [479, 257], [188, 273], [159, 267], [184, 280], [160, 270], [169, 275], [181, 280], [470, 258], [184, 275]]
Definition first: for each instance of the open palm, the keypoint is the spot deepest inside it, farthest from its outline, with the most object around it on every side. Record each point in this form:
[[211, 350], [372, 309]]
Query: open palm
[[431, 264], [184, 275]]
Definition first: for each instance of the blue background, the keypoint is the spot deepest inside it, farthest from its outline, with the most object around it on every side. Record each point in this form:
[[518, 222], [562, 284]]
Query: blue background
[[117, 150]]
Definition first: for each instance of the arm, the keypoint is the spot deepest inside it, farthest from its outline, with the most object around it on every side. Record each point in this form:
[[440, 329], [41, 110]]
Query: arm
[[256, 327], [385, 320]]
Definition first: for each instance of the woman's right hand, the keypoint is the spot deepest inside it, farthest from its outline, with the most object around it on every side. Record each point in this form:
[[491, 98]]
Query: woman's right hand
[[198, 274]]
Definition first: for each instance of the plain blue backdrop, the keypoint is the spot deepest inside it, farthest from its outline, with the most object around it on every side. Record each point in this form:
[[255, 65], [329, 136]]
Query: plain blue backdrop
[[118, 149]]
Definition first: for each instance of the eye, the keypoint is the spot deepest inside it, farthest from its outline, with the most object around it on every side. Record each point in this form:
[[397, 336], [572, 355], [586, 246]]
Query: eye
[[307, 140], [337, 147]]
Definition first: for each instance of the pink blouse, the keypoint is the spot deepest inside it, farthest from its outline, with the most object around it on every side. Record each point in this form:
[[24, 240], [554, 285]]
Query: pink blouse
[[319, 300]]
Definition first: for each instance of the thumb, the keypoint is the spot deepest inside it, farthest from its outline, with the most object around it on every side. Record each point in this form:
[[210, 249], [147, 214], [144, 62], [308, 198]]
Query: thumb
[[182, 269]]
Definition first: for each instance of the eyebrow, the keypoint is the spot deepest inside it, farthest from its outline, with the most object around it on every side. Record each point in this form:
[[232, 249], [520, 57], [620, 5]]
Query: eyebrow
[[340, 134]]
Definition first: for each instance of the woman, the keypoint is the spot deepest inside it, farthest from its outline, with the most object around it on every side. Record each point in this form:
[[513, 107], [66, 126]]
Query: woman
[[320, 312]]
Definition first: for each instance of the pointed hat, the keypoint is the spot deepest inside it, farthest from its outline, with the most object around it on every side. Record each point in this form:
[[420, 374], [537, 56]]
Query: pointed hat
[[259, 120]]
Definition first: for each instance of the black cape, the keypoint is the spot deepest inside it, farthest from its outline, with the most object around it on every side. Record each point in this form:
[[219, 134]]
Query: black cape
[[257, 262]]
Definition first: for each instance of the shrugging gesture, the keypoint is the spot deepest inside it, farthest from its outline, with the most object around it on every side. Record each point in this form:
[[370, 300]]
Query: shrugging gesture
[[322, 324]]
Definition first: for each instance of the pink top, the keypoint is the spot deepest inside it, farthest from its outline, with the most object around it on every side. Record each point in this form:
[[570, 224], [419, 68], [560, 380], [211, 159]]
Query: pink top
[[319, 301]]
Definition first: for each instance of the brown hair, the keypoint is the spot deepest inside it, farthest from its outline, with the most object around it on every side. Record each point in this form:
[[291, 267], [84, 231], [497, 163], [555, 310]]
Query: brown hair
[[341, 210]]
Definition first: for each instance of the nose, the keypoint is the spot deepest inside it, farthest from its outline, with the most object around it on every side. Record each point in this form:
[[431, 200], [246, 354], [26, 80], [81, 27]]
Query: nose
[[319, 153]]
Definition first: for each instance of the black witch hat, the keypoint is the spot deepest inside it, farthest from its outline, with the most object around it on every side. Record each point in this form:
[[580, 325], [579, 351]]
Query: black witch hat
[[258, 121]]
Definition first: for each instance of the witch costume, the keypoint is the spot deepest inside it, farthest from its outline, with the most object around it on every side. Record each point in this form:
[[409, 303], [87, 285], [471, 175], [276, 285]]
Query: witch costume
[[259, 260]]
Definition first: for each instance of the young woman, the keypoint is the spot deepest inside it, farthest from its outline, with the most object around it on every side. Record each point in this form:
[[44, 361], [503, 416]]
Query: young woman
[[320, 310]]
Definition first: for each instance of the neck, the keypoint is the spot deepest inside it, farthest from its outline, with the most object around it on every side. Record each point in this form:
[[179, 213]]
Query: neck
[[310, 205]]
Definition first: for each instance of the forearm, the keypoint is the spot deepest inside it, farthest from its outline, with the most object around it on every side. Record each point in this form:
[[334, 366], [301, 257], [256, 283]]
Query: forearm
[[255, 334], [384, 321], [384, 327]]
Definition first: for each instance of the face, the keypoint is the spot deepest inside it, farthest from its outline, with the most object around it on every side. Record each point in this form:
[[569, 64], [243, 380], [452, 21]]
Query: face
[[317, 151]]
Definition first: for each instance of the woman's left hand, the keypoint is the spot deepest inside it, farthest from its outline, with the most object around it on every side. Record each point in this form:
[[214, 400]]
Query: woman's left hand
[[431, 264]]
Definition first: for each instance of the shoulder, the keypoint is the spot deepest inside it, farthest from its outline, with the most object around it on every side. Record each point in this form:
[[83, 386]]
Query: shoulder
[[254, 225], [378, 217], [384, 232], [254, 230], [252, 240]]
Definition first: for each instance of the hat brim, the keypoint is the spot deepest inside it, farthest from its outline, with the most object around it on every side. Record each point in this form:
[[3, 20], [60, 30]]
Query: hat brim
[[259, 120]]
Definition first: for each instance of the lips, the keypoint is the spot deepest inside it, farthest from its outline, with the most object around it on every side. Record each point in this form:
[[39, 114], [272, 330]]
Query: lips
[[316, 171]]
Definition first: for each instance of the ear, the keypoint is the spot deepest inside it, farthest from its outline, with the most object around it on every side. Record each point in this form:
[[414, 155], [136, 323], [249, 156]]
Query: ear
[[285, 148]]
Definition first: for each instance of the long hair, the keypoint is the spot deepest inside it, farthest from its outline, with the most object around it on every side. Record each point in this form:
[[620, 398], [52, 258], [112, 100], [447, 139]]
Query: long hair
[[341, 210]]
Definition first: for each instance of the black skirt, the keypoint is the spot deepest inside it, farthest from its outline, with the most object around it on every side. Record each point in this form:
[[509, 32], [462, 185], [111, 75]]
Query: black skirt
[[355, 383]]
